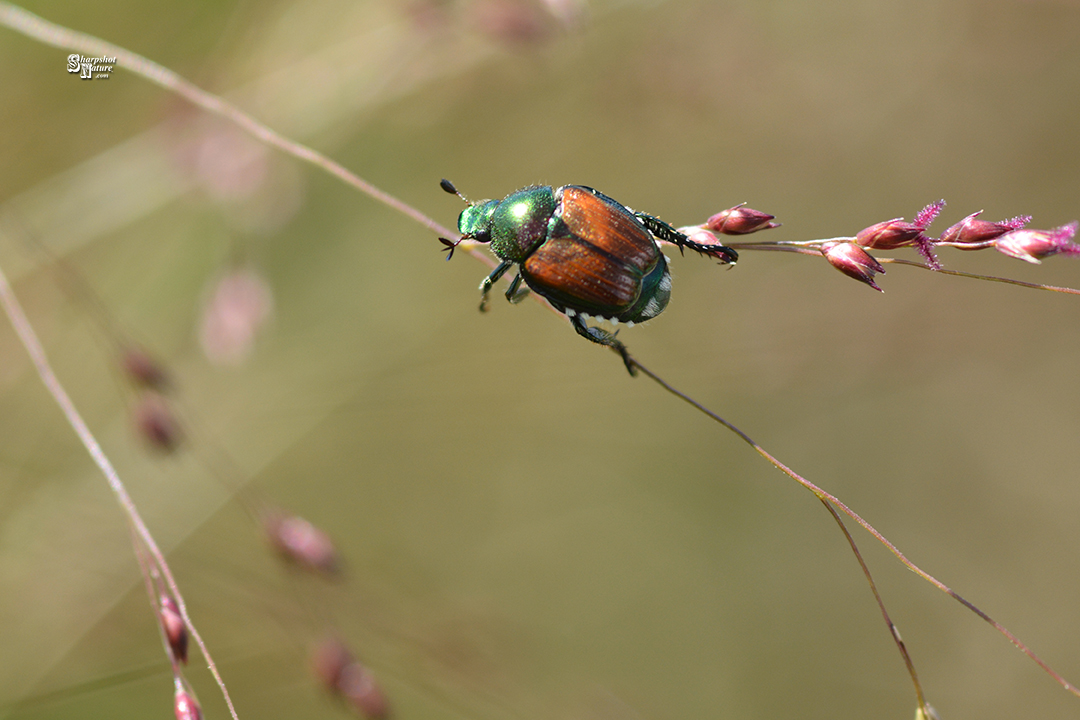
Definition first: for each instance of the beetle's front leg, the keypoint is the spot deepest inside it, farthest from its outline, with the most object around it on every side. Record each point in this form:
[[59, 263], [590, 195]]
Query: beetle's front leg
[[485, 286], [603, 337], [514, 293]]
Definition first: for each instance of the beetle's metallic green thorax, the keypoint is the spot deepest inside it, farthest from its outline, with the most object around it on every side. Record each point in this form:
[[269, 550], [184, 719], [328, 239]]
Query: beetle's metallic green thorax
[[519, 223]]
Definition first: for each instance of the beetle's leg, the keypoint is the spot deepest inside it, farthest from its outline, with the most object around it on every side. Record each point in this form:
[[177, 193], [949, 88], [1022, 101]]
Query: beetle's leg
[[603, 337], [514, 293], [663, 231], [485, 286]]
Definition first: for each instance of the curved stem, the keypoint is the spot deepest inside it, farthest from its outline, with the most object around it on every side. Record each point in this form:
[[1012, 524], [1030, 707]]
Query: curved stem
[[835, 502], [33, 347], [893, 630]]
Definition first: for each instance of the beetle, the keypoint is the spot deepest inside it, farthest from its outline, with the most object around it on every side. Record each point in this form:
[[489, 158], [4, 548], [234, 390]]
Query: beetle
[[586, 254]]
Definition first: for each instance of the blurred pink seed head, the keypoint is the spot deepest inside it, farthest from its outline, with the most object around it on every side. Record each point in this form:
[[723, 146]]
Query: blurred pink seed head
[[175, 631], [569, 13], [302, 543], [357, 685], [328, 659], [228, 163], [185, 706], [345, 676], [240, 304], [156, 423], [143, 370], [514, 22]]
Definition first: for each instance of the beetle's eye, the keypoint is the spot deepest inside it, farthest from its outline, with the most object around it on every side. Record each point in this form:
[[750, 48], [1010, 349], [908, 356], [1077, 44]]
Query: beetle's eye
[[481, 236]]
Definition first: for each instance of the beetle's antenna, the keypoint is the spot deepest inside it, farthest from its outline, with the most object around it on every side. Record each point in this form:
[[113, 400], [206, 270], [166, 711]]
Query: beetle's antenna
[[451, 245], [448, 186]]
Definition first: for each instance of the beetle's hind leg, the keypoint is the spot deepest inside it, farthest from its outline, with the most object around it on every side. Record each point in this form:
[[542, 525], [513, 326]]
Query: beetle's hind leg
[[663, 231], [515, 293], [603, 337]]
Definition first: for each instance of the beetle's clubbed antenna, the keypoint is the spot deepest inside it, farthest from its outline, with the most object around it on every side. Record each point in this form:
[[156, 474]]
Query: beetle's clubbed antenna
[[448, 186], [451, 245]]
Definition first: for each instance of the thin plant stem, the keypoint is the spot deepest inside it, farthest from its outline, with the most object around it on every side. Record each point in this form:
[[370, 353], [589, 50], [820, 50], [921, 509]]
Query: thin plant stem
[[893, 630], [806, 248], [975, 276], [55, 388], [835, 502]]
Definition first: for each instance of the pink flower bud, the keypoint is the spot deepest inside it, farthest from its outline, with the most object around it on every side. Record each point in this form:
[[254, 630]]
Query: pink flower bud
[[850, 259], [1034, 245], [302, 543], [740, 220], [897, 233], [185, 707], [888, 235], [974, 234], [175, 630]]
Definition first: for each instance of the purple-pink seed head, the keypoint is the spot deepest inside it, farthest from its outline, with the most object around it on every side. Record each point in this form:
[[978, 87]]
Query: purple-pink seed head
[[740, 220], [1034, 245], [175, 630], [974, 234], [185, 707], [852, 260]]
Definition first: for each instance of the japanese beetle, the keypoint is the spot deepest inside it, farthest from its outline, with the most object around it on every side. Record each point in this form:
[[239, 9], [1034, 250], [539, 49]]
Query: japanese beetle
[[586, 254]]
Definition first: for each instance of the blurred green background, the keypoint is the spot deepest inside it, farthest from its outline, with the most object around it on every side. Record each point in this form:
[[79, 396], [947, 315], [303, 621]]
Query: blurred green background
[[527, 532]]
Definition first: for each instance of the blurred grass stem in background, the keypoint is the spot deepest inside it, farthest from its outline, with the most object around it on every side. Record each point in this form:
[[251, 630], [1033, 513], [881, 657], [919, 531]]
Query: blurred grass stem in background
[[29, 339]]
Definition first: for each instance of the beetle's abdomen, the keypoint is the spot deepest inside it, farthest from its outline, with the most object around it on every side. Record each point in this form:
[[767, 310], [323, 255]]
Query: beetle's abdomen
[[595, 258]]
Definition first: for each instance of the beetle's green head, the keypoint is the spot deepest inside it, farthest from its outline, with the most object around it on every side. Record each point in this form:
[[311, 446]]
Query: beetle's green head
[[475, 221], [514, 226]]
